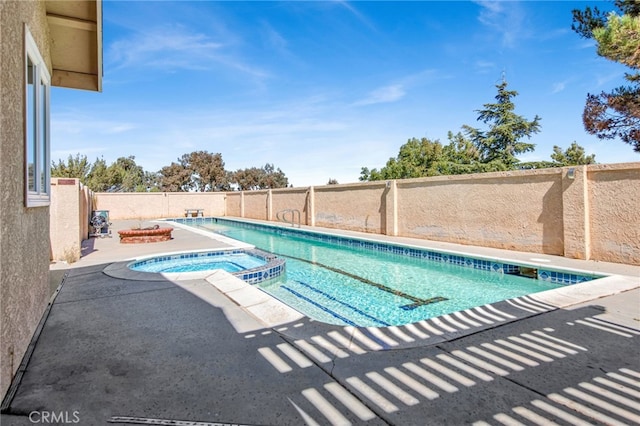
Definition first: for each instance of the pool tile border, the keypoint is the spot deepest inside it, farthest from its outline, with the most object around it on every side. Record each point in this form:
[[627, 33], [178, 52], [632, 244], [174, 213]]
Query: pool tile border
[[274, 267], [544, 274]]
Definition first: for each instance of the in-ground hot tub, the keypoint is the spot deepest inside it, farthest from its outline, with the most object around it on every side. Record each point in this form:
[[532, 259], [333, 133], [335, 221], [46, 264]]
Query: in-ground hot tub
[[252, 266]]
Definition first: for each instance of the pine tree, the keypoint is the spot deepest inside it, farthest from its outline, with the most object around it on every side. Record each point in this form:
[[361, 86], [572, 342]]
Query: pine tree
[[503, 140]]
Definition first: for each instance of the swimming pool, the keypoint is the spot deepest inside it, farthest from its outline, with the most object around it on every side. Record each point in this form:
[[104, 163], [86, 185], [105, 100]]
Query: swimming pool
[[348, 281]]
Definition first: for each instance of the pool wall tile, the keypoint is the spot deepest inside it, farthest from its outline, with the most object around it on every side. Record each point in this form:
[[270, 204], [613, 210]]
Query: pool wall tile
[[563, 278], [274, 267]]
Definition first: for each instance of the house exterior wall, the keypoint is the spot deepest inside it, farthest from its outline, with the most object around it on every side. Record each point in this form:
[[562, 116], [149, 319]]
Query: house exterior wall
[[24, 232]]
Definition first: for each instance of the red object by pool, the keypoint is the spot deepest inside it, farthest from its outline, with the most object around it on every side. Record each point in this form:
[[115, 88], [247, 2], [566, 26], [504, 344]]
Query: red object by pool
[[149, 235]]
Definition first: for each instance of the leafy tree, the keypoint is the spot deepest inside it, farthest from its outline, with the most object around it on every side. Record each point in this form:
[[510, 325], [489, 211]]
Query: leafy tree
[[247, 179], [126, 176], [98, 179], [273, 178], [332, 181], [572, 156], [619, 40], [528, 165], [616, 113], [208, 173], [197, 171], [152, 181], [499, 145], [585, 21], [267, 177], [469, 151], [75, 167], [461, 156], [175, 178], [417, 158]]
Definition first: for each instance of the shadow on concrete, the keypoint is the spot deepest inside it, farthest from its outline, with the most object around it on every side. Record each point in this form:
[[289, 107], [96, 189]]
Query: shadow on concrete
[[87, 247], [113, 349]]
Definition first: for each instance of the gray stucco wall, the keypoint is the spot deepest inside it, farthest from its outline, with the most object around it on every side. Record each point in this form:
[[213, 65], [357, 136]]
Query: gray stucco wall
[[24, 233]]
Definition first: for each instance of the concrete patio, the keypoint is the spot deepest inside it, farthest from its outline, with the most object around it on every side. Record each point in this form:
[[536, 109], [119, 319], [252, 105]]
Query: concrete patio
[[113, 350]]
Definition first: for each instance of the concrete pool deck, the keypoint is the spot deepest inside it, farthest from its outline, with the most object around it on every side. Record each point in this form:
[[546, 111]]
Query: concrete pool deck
[[120, 351]]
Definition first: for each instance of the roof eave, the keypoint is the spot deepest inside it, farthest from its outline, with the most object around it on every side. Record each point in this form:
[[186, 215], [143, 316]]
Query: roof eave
[[75, 29]]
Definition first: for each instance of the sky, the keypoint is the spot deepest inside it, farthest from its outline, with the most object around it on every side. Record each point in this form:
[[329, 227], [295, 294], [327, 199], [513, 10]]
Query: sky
[[321, 89]]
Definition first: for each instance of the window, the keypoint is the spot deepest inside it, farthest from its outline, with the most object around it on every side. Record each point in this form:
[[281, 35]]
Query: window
[[37, 92]]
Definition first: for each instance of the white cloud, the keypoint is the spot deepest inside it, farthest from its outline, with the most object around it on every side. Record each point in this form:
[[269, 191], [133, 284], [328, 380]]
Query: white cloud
[[505, 18], [484, 67], [174, 48], [558, 87], [166, 45], [120, 128], [386, 94], [363, 19], [274, 39], [602, 80]]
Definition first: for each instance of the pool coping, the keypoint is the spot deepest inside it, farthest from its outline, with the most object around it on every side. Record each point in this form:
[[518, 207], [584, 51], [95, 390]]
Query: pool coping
[[273, 267]]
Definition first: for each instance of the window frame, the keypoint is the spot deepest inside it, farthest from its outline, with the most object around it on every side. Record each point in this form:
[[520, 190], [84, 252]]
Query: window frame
[[37, 143]]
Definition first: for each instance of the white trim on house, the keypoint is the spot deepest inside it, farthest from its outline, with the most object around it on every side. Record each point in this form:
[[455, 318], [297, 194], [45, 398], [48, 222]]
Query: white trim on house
[[37, 158]]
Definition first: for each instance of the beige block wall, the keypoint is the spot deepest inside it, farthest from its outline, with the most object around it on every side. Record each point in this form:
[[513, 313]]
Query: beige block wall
[[294, 198], [511, 210], [614, 212], [256, 205], [575, 213], [234, 204], [356, 207], [24, 232], [583, 212], [156, 205], [70, 212], [68, 200]]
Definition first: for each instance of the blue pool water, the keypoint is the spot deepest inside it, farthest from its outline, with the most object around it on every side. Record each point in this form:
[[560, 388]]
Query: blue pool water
[[358, 286], [232, 262]]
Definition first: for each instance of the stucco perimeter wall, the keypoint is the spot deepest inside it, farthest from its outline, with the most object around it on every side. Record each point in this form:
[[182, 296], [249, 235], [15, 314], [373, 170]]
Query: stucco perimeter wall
[[511, 210], [256, 205], [234, 204], [156, 205], [356, 207], [290, 199], [24, 232], [582, 212], [614, 212], [69, 200]]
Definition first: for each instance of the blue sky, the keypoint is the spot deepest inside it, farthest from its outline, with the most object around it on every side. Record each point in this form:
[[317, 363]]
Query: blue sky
[[322, 88]]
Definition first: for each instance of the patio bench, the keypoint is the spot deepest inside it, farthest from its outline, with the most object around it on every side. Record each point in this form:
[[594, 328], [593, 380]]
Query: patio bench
[[194, 212]]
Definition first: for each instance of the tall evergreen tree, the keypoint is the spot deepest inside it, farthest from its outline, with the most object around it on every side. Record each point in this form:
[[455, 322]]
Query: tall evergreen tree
[[614, 114], [75, 167], [502, 142]]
